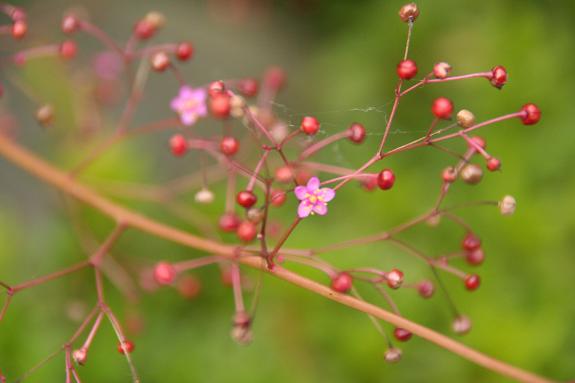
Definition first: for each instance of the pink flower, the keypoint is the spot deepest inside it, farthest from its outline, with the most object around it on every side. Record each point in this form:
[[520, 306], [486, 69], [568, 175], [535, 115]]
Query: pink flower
[[190, 104], [313, 198]]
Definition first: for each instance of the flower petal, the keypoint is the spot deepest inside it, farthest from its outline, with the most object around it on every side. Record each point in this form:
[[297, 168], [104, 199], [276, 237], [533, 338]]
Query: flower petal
[[313, 184], [188, 118], [320, 208], [304, 209], [326, 194], [300, 192], [186, 92]]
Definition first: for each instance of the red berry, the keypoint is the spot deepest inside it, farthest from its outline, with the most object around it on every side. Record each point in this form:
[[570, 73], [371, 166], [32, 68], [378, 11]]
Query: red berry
[[309, 125], [275, 78], [247, 231], [401, 334], [472, 282], [189, 287], [68, 49], [220, 105], [165, 273], [356, 133], [475, 257], [249, 87], [277, 197], [394, 278], [229, 146], [144, 29], [498, 76], [19, 29], [284, 174], [369, 183], [471, 242], [246, 198], [184, 51], [530, 114], [70, 24], [342, 282], [229, 222], [385, 179], [449, 174], [126, 346], [179, 145], [426, 289], [493, 164], [442, 108], [160, 61], [407, 69], [216, 87]]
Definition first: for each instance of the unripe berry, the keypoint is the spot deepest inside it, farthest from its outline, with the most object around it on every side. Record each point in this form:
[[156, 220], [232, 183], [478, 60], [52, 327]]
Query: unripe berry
[[441, 70], [284, 174], [342, 282], [401, 334], [471, 242], [392, 355], [409, 12], [189, 287], [156, 19], [498, 76], [229, 145], [178, 145], [246, 198], [216, 87], [493, 164], [426, 289], [248, 87], [247, 231], [126, 347], [386, 179], [461, 325], [356, 133], [471, 174], [530, 114], [165, 273], [184, 51], [45, 114], [472, 282], [449, 174], [204, 196], [465, 118], [160, 61], [475, 257], [275, 78], [394, 278], [80, 356], [68, 49], [255, 215], [507, 205], [220, 106], [442, 107], [407, 69], [19, 29], [229, 222], [278, 197], [309, 125], [70, 24]]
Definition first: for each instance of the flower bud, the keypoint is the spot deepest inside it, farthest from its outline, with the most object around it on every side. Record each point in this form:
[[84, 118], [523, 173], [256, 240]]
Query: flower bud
[[156, 19], [394, 278], [471, 174], [465, 118], [45, 114], [160, 61], [507, 205], [204, 196], [461, 325], [409, 12], [441, 70], [241, 330], [80, 356], [392, 355]]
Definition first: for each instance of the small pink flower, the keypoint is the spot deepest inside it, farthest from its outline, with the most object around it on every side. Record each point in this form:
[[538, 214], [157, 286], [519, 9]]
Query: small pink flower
[[313, 198], [190, 104]]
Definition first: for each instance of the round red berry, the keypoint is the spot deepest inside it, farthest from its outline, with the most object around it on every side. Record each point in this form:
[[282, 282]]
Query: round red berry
[[475, 257], [229, 145], [530, 114], [19, 29], [472, 282], [126, 346], [179, 145], [144, 29], [493, 164], [247, 231], [189, 287], [248, 87], [407, 69], [401, 334], [342, 282], [229, 222], [70, 24], [356, 133], [385, 179], [426, 289], [216, 87], [309, 125], [471, 242], [246, 198], [278, 197], [394, 278], [220, 105], [442, 107], [498, 76], [449, 174], [184, 51], [165, 273], [275, 78], [68, 49]]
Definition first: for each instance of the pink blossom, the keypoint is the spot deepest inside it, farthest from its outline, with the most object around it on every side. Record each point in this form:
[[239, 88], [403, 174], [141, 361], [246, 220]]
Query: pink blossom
[[190, 104], [313, 198]]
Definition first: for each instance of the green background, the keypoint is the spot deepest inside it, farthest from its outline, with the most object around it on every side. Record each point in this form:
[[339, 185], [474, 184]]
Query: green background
[[340, 57]]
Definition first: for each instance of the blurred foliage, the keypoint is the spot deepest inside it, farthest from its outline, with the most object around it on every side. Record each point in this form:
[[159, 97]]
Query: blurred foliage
[[341, 57]]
